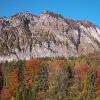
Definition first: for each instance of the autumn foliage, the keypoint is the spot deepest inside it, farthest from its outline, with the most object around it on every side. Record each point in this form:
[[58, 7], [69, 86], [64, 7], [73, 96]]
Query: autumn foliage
[[38, 74]]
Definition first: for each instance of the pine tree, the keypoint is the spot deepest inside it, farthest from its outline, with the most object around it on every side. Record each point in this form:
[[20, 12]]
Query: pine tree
[[43, 77], [91, 84], [22, 91]]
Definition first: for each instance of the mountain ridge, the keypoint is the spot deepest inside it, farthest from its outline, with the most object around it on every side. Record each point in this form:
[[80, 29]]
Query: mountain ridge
[[25, 36], [49, 12]]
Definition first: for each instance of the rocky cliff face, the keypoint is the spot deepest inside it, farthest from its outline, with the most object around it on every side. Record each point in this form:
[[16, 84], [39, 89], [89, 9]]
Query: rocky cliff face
[[26, 36]]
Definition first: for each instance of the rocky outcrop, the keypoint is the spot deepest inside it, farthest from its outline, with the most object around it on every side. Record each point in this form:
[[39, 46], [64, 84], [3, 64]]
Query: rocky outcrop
[[26, 36]]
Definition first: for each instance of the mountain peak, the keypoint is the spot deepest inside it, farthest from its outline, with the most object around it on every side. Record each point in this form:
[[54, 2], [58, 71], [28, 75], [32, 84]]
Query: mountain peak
[[24, 14], [55, 15]]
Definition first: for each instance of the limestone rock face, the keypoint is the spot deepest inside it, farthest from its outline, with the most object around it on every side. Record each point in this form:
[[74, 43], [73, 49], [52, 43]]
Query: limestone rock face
[[25, 36]]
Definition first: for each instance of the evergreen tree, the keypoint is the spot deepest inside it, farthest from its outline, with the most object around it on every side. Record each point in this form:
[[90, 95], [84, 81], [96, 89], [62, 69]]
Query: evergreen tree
[[91, 84], [43, 77], [22, 91]]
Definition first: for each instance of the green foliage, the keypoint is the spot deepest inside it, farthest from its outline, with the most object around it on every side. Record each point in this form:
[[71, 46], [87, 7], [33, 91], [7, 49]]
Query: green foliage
[[21, 66], [73, 93], [46, 58], [24, 93], [10, 65], [21, 93], [53, 58], [72, 58], [61, 58], [35, 89], [91, 84], [43, 77]]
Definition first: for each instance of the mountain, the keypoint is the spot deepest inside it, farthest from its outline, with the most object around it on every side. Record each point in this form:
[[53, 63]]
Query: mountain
[[25, 36]]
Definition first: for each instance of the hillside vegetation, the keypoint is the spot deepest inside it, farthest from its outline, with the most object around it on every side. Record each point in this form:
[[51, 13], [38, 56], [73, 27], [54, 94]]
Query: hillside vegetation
[[51, 79]]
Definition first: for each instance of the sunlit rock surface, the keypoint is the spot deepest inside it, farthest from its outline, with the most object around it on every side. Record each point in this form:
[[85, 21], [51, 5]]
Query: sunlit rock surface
[[25, 36]]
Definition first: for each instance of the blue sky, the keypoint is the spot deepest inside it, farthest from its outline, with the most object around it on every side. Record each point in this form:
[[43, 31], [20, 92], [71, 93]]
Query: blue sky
[[76, 9]]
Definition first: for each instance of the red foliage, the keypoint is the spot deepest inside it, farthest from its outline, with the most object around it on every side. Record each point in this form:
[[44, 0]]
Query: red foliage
[[81, 72], [84, 68], [31, 70]]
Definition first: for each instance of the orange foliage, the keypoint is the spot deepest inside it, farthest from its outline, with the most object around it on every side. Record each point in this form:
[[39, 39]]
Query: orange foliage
[[31, 70], [13, 81], [5, 95], [81, 71]]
